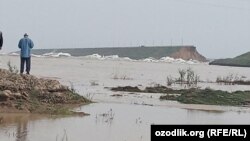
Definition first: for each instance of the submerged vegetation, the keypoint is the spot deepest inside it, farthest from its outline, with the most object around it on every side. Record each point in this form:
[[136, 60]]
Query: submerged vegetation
[[195, 96], [232, 79], [106, 117], [190, 79], [210, 97], [186, 77], [58, 104], [12, 68], [117, 76]]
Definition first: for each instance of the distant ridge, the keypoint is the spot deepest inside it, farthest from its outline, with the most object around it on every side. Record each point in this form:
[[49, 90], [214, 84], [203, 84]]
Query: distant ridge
[[142, 52], [239, 61]]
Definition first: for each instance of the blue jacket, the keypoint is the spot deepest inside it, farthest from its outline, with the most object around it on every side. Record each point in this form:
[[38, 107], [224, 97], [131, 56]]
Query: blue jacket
[[25, 44]]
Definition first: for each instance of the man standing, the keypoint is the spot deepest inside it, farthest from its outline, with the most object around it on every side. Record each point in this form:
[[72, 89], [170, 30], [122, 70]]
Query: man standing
[[25, 44], [1, 40]]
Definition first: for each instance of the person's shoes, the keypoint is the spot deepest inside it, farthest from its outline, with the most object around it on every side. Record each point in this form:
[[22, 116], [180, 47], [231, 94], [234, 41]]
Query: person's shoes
[[28, 73]]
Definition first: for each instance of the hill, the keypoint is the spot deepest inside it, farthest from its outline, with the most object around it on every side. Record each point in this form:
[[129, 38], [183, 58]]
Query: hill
[[239, 61], [157, 52]]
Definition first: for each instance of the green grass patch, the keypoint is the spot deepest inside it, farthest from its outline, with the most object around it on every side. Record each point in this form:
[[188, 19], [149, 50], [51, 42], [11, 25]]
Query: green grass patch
[[240, 61], [212, 97]]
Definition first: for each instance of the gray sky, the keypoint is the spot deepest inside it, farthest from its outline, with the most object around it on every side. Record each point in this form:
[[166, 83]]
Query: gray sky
[[218, 28]]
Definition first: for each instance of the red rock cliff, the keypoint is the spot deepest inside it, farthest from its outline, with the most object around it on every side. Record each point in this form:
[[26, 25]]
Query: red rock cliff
[[188, 53]]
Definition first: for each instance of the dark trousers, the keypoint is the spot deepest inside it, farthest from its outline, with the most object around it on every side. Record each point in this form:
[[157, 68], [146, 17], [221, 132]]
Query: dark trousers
[[27, 62]]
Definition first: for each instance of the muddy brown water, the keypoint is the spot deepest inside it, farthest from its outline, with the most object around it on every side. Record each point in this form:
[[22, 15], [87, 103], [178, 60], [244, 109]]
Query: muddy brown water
[[124, 118], [109, 122]]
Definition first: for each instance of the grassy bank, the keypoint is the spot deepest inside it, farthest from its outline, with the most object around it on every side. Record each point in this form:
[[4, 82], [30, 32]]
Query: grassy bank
[[211, 97], [39, 103], [50, 104], [195, 96], [239, 61]]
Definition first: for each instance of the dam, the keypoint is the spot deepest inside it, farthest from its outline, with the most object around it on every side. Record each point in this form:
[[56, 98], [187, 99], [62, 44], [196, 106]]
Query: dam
[[141, 52]]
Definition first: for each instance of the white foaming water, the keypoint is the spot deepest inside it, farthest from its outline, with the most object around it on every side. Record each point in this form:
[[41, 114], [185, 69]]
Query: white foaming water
[[60, 54], [116, 57], [167, 59], [171, 60], [149, 59], [13, 54], [50, 54], [39, 56], [110, 57], [94, 56]]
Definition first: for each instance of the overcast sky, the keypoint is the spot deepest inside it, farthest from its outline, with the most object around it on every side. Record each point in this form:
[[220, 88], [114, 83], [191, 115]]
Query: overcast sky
[[218, 28]]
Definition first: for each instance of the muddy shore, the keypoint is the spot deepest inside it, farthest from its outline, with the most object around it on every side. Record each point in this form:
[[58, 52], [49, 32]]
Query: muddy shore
[[29, 94]]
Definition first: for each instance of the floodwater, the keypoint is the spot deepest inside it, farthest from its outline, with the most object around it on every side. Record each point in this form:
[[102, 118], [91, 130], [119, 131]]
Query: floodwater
[[109, 122], [125, 118]]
